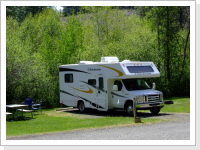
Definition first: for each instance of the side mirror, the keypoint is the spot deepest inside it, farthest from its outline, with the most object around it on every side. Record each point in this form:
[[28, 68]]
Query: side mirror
[[115, 87], [153, 86]]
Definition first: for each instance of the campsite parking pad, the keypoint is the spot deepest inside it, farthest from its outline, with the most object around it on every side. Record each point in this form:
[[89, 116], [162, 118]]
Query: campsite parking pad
[[99, 114], [176, 127]]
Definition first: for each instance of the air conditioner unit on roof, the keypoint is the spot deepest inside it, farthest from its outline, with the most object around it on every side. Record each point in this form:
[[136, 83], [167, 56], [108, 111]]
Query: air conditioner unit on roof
[[85, 62], [109, 59]]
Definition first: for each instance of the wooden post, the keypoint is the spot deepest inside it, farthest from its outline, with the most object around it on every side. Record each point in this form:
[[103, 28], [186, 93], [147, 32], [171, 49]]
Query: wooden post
[[136, 119]]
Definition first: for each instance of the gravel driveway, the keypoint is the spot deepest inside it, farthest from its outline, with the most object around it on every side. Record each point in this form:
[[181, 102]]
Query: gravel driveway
[[176, 127]]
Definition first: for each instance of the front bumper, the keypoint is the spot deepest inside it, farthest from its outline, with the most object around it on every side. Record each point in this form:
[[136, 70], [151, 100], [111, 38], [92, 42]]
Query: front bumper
[[144, 106]]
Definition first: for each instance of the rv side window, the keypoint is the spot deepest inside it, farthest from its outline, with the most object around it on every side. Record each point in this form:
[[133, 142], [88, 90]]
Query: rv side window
[[101, 83], [92, 81], [68, 78]]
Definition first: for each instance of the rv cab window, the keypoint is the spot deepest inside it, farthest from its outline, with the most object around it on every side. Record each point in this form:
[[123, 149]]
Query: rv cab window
[[68, 78], [135, 84]]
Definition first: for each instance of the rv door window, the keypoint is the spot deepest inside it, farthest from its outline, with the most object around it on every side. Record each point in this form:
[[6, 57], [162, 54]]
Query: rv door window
[[139, 69], [68, 78], [101, 86]]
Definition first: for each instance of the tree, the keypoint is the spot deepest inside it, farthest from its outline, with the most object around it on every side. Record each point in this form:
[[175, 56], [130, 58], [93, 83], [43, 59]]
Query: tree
[[20, 12], [40, 43], [168, 22], [70, 10]]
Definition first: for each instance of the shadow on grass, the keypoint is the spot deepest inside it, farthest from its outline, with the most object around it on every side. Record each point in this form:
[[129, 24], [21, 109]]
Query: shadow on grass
[[19, 119]]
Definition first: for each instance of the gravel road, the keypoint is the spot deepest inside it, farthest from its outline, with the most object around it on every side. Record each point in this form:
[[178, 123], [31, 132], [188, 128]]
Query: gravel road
[[176, 127]]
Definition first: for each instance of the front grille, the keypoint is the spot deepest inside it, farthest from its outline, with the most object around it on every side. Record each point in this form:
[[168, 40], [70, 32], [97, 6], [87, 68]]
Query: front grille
[[153, 98]]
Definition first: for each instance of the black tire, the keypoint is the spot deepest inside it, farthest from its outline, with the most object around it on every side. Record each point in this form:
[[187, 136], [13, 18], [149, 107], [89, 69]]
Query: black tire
[[129, 109], [155, 110], [81, 106]]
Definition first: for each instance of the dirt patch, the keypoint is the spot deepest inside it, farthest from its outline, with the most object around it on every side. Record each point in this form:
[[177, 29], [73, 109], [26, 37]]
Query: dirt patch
[[75, 113]]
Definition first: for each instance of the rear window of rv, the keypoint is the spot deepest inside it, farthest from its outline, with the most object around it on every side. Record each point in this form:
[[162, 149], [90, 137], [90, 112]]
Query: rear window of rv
[[68, 78], [139, 69]]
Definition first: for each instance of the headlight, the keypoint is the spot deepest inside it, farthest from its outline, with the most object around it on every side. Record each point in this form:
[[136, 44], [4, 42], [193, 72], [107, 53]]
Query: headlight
[[139, 99]]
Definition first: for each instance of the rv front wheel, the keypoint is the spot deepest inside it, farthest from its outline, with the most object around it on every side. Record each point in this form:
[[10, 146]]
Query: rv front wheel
[[129, 109], [155, 110], [81, 106]]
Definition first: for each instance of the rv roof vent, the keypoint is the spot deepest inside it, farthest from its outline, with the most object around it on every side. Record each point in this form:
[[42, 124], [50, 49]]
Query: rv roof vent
[[126, 61], [109, 59], [85, 62]]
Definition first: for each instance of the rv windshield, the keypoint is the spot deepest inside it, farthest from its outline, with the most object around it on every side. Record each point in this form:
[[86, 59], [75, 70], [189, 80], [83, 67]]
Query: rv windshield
[[135, 84]]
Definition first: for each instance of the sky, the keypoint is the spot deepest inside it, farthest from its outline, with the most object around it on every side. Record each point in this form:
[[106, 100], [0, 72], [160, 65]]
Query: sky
[[59, 7]]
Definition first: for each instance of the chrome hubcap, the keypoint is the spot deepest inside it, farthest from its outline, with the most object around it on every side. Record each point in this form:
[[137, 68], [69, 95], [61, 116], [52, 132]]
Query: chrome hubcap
[[81, 106], [130, 109]]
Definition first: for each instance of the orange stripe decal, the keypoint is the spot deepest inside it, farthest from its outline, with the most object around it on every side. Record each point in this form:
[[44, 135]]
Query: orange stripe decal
[[88, 91], [119, 72]]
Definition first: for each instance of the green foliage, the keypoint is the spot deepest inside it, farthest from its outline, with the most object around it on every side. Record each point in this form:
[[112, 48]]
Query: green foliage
[[69, 10], [172, 47], [20, 12], [31, 61], [42, 42]]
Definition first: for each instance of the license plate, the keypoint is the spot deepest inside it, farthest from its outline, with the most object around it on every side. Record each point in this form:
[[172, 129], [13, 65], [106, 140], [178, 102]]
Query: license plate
[[145, 105]]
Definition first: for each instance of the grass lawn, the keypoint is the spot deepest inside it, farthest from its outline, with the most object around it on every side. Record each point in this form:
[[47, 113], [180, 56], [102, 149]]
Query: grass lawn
[[55, 121], [181, 105]]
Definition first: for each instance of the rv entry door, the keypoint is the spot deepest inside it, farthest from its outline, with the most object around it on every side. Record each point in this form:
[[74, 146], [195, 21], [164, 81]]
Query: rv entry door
[[101, 93]]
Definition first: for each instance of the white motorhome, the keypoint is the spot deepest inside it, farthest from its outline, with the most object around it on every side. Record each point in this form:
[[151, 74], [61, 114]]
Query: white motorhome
[[110, 84]]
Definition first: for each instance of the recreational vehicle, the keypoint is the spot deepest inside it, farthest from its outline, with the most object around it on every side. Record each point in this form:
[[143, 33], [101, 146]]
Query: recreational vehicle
[[110, 84]]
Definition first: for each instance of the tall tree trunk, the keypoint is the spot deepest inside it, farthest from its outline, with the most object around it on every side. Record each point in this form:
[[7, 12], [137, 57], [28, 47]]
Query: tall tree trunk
[[168, 46], [158, 41], [184, 56]]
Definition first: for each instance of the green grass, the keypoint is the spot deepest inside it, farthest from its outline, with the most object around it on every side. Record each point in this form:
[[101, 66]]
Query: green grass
[[181, 105], [55, 121]]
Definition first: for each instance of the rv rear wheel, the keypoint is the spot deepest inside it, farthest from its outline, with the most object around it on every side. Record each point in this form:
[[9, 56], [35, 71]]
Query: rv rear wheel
[[81, 106], [129, 109]]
